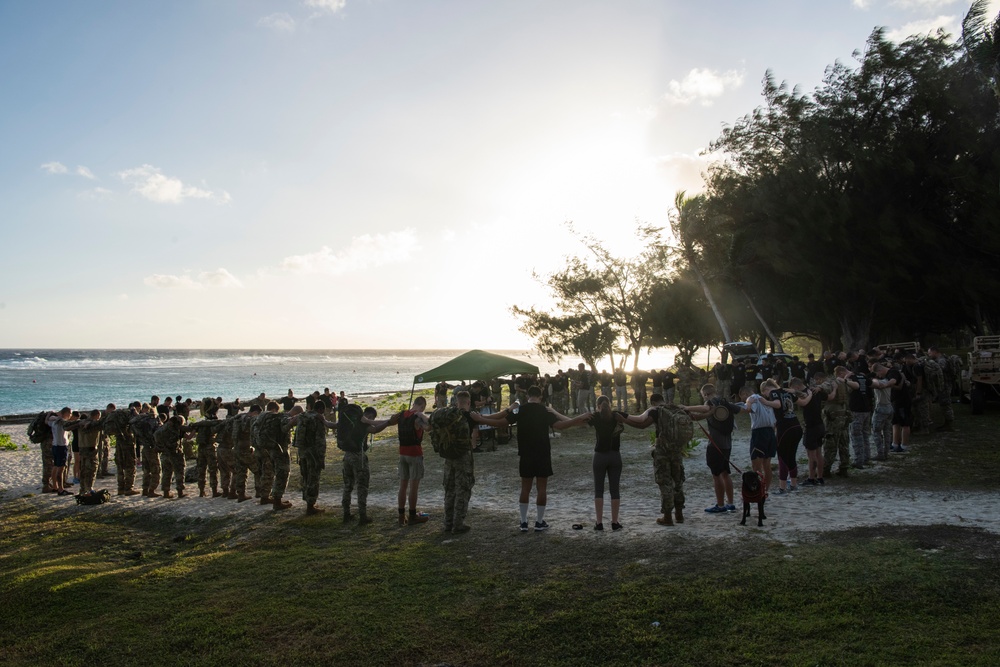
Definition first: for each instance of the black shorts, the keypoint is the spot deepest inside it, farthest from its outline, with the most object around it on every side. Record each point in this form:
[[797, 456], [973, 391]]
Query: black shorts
[[59, 455], [814, 437], [717, 459], [535, 466], [902, 415], [763, 443]]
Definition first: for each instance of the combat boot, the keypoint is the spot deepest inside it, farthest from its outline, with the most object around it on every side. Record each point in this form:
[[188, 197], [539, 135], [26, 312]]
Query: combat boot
[[121, 490], [266, 500], [679, 514], [280, 504], [167, 494], [201, 491], [131, 492], [215, 492], [665, 520], [312, 509], [152, 494], [231, 495], [363, 519], [181, 494], [241, 497]]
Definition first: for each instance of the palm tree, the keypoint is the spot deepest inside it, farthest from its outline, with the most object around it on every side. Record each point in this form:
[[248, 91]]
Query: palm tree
[[981, 40]]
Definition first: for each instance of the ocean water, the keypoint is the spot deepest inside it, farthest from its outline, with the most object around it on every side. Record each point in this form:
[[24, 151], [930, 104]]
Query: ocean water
[[34, 380]]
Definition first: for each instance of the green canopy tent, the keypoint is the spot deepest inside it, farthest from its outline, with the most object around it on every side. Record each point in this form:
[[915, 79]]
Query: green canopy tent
[[474, 365]]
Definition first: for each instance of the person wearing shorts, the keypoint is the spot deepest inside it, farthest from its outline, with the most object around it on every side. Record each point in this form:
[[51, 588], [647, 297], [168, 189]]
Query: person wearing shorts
[[411, 425], [815, 431], [721, 417], [534, 449], [60, 449], [763, 442]]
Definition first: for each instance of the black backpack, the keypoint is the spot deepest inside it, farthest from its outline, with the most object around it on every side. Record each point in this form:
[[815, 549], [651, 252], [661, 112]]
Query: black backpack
[[351, 431], [93, 497], [39, 431]]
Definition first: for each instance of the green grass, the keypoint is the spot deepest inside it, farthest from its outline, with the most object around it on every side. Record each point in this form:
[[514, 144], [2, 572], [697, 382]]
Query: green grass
[[308, 591], [6, 444]]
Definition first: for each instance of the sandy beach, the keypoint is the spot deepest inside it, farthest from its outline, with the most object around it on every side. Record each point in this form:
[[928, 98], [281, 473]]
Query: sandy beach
[[791, 518]]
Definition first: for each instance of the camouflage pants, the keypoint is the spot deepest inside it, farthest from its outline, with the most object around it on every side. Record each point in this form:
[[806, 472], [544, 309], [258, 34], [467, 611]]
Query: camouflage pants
[[281, 463], [668, 470], [189, 453], [922, 413], [172, 463], [641, 402], [459, 478], [103, 453], [684, 393], [208, 465], [311, 464], [88, 469], [246, 464], [227, 463], [356, 474], [47, 461], [559, 402], [861, 437], [150, 469], [943, 399], [125, 463], [266, 478], [835, 442], [882, 431]]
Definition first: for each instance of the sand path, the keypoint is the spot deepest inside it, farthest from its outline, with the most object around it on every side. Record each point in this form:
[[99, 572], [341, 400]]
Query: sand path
[[791, 519]]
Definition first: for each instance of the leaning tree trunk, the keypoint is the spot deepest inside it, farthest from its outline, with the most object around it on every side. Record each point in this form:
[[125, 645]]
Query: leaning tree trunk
[[711, 302], [770, 334]]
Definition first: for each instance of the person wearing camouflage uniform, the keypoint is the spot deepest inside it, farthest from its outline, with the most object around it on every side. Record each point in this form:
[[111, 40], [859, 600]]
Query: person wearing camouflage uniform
[[208, 456], [674, 431], [273, 443], [687, 378], [836, 420], [246, 462], [310, 440], [90, 431], [167, 441], [356, 472], [225, 456], [942, 394], [459, 478], [143, 426], [116, 425]]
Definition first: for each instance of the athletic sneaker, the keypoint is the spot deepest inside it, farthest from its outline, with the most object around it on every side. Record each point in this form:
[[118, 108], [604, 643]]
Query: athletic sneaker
[[599, 526], [809, 482], [781, 491], [616, 526], [821, 482], [730, 508], [715, 509], [524, 526], [540, 526], [899, 450]]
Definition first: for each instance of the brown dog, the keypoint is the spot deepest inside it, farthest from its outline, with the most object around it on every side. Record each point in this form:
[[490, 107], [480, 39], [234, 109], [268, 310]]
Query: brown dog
[[753, 492]]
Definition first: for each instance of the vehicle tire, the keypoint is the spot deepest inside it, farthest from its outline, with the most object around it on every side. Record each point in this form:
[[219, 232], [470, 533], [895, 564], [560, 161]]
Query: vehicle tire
[[977, 399]]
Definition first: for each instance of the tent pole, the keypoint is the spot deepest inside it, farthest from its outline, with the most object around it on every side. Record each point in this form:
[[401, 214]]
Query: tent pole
[[412, 387]]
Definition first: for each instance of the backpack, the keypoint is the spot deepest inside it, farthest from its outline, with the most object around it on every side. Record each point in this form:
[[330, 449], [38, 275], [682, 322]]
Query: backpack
[[351, 431], [933, 376], [450, 435], [39, 430], [409, 435], [676, 429], [266, 430], [94, 497]]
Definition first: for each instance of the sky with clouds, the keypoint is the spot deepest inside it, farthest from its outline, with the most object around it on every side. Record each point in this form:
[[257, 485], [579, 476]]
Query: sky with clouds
[[362, 173]]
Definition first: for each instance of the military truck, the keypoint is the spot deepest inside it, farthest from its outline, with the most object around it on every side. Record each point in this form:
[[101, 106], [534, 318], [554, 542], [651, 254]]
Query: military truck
[[984, 372]]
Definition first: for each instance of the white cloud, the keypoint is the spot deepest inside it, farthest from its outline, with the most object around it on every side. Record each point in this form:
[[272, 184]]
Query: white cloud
[[54, 167], [152, 184], [684, 170], [702, 85], [218, 278], [280, 21], [332, 6], [363, 252], [86, 173], [950, 24], [861, 4]]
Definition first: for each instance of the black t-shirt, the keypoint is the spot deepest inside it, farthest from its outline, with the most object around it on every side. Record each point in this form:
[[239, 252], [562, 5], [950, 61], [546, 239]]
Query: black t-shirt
[[860, 400], [667, 380], [798, 370], [608, 430], [533, 421], [584, 379], [812, 412], [287, 402], [328, 399], [163, 410], [814, 367], [558, 383], [182, 409], [787, 409], [900, 394], [723, 426]]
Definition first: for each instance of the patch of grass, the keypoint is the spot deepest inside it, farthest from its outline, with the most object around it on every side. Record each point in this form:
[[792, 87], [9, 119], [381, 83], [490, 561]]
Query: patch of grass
[[7, 444], [307, 591]]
